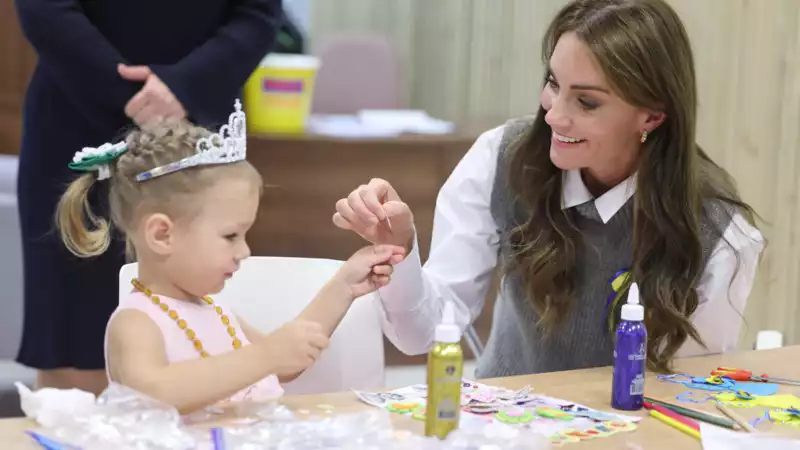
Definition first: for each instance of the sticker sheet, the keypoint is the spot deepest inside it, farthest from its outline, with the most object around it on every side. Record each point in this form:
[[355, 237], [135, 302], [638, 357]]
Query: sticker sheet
[[563, 421]]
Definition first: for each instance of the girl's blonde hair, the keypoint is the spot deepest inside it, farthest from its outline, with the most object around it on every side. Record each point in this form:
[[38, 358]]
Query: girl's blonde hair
[[86, 234]]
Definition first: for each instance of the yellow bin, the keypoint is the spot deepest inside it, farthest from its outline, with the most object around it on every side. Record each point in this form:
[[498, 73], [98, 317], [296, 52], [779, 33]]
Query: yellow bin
[[277, 96]]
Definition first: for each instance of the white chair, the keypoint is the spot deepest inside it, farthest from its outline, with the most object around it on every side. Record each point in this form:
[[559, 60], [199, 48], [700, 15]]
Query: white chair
[[769, 339], [270, 291]]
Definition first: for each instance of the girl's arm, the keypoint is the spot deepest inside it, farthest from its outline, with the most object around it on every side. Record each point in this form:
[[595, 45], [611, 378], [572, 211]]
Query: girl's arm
[[137, 359], [367, 270], [253, 335], [327, 309]]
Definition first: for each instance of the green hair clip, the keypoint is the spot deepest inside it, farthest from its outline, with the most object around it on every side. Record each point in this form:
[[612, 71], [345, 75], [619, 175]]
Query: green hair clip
[[98, 159]]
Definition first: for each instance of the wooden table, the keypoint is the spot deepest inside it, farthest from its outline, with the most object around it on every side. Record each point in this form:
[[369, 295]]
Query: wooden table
[[590, 387]]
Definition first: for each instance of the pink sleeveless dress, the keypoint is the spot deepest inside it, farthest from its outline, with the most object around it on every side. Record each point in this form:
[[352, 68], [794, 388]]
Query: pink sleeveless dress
[[208, 328]]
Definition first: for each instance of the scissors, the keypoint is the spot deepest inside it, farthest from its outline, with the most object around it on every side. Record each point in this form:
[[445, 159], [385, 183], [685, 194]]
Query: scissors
[[746, 375]]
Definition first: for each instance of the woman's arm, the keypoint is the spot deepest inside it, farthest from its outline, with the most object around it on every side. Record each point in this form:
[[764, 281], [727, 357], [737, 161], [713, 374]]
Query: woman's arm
[[463, 255], [76, 55], [208, 78], [723, 289]]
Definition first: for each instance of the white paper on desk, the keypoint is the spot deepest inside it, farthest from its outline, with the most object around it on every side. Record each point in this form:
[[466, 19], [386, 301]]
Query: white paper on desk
[[377, 124], [347, 126], [404, 120], [716, 438]]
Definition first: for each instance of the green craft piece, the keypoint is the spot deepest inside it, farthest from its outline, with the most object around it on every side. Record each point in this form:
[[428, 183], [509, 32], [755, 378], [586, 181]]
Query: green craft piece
[[403, 407], [785, 417], [419, 414], [92, 162], [514, 416], [552, 413]]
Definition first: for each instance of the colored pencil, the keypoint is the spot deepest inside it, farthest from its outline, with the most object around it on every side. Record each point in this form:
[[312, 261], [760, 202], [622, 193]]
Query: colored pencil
[[672, 414], [735, 417], [675, 424], [697, 414]]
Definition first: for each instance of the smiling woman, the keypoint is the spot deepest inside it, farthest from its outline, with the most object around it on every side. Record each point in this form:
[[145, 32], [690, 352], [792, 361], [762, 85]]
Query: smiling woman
[[603, 187]]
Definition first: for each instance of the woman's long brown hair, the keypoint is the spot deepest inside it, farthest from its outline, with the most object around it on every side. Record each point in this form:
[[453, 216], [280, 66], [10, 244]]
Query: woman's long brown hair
[[644, 53]]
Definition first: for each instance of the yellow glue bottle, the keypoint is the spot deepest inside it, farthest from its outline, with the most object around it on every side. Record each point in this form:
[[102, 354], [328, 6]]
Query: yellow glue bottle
[[445, 367]]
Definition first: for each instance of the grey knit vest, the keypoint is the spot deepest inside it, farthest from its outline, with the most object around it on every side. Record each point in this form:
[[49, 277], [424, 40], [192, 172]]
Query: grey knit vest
[[516, 345]]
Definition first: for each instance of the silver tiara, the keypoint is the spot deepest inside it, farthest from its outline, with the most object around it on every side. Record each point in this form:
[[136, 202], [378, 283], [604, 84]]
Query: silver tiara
[[227, 146]]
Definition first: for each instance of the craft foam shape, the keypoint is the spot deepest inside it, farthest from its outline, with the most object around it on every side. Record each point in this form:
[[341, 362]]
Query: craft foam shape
[[783, 401], [620, 425], [514, 416], [715, 380], [785, 417], [481, 408], [752, 388], [560, 439], [403, 408], [580, 435], [598, 431], [552, 413]]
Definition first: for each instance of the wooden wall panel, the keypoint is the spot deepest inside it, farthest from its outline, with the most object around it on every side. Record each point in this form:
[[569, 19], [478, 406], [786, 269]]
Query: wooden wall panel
[[16, 63]]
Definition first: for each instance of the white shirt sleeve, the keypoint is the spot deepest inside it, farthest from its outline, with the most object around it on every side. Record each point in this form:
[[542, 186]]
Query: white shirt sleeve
[[463, 255], [723, 289]]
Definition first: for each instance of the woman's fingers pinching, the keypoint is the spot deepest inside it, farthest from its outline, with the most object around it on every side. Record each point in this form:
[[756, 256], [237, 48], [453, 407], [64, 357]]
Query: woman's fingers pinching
[[347, 213], [341, 222], [356, 203], [371, 201]]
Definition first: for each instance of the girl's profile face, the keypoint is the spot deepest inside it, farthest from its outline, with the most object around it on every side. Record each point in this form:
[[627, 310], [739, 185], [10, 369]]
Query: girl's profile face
[[207, 250]]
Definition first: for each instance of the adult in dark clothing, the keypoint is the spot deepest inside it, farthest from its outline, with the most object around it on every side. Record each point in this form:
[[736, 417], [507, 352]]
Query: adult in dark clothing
[[105, 65]]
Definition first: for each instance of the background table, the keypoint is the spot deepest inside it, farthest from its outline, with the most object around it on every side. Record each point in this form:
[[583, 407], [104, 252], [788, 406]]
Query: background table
[[591, 387]]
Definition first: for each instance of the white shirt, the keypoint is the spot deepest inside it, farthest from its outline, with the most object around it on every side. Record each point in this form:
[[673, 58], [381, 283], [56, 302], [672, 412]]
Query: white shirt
[[465, 251]]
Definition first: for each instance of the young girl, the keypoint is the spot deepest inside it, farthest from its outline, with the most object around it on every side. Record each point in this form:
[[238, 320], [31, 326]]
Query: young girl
[[184, 200]]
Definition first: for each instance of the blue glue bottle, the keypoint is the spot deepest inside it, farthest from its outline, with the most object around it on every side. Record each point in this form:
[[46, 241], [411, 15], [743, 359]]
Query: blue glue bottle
[[630, 355]]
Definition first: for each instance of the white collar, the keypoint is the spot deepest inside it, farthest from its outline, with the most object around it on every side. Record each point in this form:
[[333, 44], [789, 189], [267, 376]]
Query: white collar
[[575, 192]]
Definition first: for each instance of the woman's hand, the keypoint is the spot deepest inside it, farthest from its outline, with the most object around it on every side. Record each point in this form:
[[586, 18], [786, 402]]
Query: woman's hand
[[377, 214], [154, 101]]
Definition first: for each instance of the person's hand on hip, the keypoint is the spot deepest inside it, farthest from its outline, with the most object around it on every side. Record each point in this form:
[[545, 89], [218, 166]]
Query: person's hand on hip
[[155, 101], [377, 214]]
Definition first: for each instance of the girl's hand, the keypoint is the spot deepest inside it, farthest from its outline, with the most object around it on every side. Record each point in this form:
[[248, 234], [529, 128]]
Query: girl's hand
[[369, 269]]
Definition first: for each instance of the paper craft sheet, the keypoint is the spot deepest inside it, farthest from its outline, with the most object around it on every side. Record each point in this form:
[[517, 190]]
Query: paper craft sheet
[[563, 421]]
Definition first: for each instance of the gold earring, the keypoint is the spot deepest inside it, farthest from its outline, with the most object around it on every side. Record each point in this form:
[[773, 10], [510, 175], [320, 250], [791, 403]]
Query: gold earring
[[644, 137]]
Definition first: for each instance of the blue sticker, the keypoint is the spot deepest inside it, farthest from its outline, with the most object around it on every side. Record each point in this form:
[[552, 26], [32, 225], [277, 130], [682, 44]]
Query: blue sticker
[[757, 389]]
